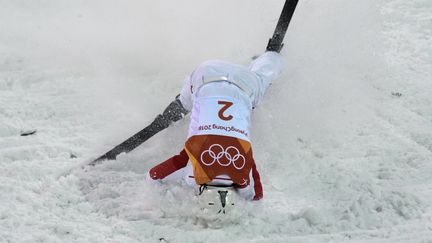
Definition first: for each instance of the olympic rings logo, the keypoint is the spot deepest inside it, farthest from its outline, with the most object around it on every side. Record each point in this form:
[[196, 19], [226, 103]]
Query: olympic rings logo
[[224, 157]]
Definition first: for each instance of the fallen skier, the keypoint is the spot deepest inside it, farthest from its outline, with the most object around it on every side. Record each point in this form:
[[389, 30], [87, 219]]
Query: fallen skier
[[218, 149]]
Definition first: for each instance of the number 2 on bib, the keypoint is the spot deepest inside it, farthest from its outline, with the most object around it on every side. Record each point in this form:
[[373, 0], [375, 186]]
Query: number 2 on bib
[[226, 105]]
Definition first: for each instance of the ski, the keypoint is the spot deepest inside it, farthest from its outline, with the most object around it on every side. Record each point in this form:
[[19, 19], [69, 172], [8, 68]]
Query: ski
[[171, 114], [275, 43]]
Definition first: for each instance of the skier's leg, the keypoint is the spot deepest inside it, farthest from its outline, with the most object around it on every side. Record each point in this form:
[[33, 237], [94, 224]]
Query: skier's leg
[[168, 167], [267, 67]]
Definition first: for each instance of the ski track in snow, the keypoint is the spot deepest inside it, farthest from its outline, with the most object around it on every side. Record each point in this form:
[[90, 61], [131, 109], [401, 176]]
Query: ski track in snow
[[343, 140]]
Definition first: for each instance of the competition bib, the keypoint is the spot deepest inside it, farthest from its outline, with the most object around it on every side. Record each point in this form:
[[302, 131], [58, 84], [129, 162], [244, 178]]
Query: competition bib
[[218, 142], [220, 116]]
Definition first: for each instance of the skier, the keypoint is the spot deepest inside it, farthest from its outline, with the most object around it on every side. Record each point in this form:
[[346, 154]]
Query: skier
[[221, 96]]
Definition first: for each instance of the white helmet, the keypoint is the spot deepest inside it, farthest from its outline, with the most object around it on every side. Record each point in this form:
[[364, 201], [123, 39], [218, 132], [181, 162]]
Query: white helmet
[[217, 199]]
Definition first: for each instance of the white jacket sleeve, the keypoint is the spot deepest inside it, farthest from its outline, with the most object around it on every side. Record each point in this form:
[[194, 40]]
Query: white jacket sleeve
[[186, 93]]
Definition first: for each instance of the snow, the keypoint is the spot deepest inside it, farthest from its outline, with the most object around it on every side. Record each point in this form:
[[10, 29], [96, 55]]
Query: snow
[[343, 140]]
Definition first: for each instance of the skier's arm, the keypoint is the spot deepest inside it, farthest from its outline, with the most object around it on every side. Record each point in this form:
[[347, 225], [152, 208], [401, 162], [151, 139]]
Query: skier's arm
[[169, 166], [254, 190], [257, 184]]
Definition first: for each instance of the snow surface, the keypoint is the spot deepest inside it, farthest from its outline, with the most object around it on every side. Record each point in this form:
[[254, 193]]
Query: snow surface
[[343, 139]]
